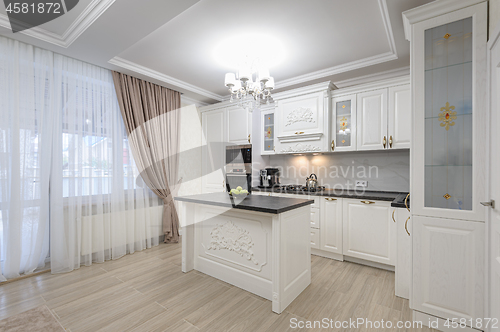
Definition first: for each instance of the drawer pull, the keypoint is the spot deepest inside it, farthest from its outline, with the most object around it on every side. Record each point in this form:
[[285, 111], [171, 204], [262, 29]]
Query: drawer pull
[[406, 226], [299, 132], [330, 199], [393, 215], [367, 202]]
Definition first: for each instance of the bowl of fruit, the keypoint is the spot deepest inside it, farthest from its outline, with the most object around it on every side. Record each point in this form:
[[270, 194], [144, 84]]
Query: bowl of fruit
[[239, 191]]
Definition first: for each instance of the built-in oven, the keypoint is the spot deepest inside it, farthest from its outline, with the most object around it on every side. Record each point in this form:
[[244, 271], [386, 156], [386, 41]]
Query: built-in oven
[[239, 167]]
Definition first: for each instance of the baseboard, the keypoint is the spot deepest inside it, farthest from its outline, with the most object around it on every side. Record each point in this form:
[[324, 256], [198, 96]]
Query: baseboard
[[437, 322], [326, 254], [369, 263]]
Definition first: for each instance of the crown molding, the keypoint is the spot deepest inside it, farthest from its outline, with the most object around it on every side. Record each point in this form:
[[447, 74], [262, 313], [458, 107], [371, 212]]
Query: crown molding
[[433, 9], [88, 16], [192, 101], [323, 86], [132, 66], [374, 85], [384, 12], [388, 74]]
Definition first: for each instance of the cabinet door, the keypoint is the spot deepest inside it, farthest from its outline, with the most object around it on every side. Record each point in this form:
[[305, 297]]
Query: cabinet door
[[214, 152], [301, 118], [399, 117], [331, 225], [267, 133], [343, 123], [239, 125], [448, 267], [314, 238], [368, 231], [372, 120], [314, 217], [403, 256]]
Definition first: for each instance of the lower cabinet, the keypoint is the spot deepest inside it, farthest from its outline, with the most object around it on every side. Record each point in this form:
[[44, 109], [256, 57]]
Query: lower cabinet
[[448, 268], [368, 231], [314, 238], [331, 225], [401, 217]]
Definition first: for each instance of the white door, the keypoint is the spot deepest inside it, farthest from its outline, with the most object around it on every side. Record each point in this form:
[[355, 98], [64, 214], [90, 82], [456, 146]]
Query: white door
[[301, 118], [214, 152], [448, 262], [399, 117], [493, 215], [331, 225], [239, 125], [372, 120], [401, 217], [343, 124], [368, 231]]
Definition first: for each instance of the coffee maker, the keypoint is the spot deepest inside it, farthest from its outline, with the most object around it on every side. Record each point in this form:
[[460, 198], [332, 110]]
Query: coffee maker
[[269, 178]]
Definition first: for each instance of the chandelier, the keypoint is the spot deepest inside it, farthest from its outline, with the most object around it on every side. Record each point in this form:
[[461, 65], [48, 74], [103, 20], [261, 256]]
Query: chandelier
[[246, 92]]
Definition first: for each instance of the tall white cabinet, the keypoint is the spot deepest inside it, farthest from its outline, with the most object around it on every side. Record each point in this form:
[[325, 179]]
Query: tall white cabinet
[[448, 65]]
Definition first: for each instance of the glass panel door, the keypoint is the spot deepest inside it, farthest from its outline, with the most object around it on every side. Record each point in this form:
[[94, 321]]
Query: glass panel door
[[344, 117], [448, 116], [268, 132]]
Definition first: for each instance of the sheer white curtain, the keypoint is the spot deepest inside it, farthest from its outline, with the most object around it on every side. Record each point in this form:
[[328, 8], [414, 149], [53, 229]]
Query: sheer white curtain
[[25, 136], [99, 208], [65, 164]]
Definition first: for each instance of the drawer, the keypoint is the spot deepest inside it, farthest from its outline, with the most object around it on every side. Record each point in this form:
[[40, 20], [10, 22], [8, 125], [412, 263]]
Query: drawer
[[314, 218], [314, 238], [302, 196]]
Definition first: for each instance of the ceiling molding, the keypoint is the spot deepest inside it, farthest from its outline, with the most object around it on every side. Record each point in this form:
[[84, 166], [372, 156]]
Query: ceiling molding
[[404, 71], [387, 25], [192, 101], [125, 64], [370, 61], [375, 85], [433, 9], [88, 16]]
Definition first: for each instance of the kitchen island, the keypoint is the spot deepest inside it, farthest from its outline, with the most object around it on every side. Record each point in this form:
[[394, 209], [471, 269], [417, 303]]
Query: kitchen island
[[257, 243]]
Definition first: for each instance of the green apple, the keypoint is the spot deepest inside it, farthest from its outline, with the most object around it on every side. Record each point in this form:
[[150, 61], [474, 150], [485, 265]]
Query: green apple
[[239, 188]]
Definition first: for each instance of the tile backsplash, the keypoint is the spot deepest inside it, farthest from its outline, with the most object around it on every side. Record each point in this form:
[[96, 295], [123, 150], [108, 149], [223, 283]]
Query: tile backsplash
[[384, 170]]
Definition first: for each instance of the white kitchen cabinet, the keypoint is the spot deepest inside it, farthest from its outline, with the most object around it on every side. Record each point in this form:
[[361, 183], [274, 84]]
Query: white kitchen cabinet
[[314, 238], [331, 225], [213, 155], [239, 125], [315, 217], [401, 217], [267, 124], [448, 267], [343, 124], [368, 231], [372, 120], [399, 120]]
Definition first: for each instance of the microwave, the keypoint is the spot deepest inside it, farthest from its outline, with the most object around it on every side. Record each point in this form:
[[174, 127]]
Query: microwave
[[239, 159]]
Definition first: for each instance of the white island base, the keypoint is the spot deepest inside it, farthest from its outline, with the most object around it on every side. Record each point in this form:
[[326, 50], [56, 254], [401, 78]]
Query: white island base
[[265, 254]]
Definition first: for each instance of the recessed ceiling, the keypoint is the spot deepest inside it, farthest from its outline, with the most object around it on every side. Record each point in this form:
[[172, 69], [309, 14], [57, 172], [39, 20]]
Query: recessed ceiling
[[173, 42]]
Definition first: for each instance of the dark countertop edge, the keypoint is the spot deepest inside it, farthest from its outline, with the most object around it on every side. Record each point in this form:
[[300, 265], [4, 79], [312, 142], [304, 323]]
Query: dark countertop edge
[[248, 208], [397, 200]]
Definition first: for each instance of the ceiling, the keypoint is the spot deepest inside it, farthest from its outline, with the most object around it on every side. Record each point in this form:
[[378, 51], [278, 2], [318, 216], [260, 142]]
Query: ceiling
[[172, 42]]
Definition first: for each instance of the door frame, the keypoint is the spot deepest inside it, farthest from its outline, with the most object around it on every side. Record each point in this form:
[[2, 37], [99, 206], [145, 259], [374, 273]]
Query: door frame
[[493, 51]]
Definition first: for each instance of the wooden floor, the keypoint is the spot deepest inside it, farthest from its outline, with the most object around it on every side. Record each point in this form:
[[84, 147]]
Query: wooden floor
[[147, 291]]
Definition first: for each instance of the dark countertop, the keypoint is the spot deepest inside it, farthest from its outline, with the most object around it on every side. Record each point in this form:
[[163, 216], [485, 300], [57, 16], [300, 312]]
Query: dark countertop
[[397, 198], [274, 205]]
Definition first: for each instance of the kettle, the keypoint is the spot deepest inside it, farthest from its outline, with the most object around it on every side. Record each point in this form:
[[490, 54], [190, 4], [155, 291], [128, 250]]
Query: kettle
[[312, 183]]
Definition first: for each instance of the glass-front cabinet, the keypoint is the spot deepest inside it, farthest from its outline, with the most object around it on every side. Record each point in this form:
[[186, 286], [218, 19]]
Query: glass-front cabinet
[[267, 132], [343, 124], [449, 116]]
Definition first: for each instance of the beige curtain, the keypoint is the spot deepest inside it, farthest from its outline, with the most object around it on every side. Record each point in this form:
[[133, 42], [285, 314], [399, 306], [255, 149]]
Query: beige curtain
[[152, 118]]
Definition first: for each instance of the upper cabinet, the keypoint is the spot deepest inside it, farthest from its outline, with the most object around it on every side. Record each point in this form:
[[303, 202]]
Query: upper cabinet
[[301, 119], [399, 120], [267, 132], [343, 123], [239, 125], [372, 120]]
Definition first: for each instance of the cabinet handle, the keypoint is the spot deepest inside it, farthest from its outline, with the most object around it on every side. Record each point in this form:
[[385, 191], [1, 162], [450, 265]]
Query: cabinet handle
[[406, 202], [274, 148], [248, 138], [390, 141], [393, 215], [384, 141], [330, 199], [333, 145], [299, 132], [406, 226], [367, 202]]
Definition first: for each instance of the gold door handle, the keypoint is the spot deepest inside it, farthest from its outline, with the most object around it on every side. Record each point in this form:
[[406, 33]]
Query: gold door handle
[[390, 141], [274, 148], [333, 145], [367, 202], [393, 215], [330, 199], [384, 141], [406, 226], [248, 138], [299, 132], [406, 202]]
